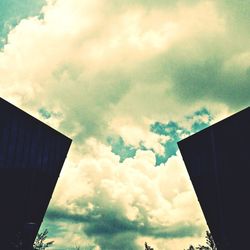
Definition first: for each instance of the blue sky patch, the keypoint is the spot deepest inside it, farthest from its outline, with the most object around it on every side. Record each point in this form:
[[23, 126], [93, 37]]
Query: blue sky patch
[[44, 113], [13, 11], [120, 148], [174, 130]]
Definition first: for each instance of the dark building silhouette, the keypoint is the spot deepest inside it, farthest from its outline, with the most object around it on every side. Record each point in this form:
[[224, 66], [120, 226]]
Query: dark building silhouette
[[218, 162], [31, 157]]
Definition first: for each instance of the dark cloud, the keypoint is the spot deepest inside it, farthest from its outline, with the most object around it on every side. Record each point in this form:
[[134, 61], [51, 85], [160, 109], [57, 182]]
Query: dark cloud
[[110, 229], [201, 73], [237, 14], [54, 214], [207, 80], [198, 73]]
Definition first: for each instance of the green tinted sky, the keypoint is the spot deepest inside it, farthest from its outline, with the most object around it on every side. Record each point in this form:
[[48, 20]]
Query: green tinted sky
[[13, 11], [126, 80]]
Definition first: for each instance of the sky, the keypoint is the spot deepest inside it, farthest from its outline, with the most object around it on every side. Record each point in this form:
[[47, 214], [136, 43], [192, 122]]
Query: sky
[[126, 80]]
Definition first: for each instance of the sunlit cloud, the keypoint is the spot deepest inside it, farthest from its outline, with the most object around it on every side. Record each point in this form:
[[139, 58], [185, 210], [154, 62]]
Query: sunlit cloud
[[126, 80]]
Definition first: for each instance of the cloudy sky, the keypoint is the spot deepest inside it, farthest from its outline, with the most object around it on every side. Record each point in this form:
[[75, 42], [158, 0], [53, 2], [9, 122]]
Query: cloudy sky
[[126, 79]]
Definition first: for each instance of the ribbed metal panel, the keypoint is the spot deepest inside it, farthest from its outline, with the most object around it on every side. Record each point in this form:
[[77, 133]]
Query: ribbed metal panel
[[218, 163], [31, 158]]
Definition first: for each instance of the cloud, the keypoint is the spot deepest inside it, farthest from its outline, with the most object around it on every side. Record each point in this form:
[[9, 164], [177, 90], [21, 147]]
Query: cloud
[[94, 64], [96, 70], [161, 138], [12, 12], [207, 79], [126, 200]]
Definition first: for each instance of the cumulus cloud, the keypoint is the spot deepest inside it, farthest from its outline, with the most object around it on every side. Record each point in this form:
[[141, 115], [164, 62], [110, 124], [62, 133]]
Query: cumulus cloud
[[137, 136], [11, 12], [113, 69], [114, 201], [159, 137], [94, 63]]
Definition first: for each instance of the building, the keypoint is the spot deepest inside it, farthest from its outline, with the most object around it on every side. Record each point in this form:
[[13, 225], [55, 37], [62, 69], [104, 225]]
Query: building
[[31, 158], [218, 162]]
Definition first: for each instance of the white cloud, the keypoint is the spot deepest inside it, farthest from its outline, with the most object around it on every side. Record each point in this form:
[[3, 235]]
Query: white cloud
[[87, 59], [100, 69], [164, 193], [137, 134]]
